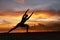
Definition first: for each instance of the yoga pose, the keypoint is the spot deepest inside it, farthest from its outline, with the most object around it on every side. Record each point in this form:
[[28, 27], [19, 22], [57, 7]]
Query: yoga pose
[[21, 24]]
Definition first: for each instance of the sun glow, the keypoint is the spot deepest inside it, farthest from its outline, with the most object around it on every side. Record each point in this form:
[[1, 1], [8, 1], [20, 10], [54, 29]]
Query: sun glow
[[41, 15]]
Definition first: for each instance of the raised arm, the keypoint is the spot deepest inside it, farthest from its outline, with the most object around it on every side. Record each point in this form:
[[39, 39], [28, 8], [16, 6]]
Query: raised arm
[[26, 12], [30, 15]]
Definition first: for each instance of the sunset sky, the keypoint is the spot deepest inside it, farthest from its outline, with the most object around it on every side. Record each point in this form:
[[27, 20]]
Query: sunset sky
[[11, 11]]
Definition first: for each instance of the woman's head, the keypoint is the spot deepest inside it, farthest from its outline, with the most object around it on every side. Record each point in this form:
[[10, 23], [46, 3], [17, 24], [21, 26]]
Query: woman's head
[[26, 15]]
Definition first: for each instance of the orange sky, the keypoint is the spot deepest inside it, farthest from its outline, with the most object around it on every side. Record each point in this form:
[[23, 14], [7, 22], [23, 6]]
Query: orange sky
[[18, 14], [12, 18], [12, 11]]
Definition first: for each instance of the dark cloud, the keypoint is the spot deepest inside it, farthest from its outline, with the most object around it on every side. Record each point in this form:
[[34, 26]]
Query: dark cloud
[[32, 4]]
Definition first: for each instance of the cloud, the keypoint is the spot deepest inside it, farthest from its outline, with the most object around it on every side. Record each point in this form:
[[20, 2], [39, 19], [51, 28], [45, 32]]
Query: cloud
[[5, 22], [49, 19], [18, 5], [19, 1]]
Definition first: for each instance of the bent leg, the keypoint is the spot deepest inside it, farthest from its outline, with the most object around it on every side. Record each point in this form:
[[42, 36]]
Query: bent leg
[[12, 29], [27, 26]]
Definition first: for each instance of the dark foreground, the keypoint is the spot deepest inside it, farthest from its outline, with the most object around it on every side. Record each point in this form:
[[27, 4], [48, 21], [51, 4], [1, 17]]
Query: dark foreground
[[31, 36]]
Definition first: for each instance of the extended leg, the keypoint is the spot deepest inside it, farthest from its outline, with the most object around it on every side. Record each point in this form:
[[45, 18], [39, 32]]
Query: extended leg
[[12, 29]]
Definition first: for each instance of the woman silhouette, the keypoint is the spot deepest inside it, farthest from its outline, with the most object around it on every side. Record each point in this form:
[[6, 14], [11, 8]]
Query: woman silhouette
[[21, 24]]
